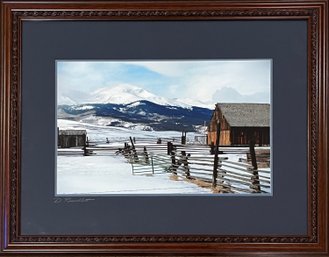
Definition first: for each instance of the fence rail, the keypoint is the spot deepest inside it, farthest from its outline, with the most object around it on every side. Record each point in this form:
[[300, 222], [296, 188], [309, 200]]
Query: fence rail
[[197, 165], [207, 166]]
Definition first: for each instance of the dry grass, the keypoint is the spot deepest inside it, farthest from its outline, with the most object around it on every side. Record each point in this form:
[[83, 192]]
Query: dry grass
[[202, 184], [174, 177], [206, 184]]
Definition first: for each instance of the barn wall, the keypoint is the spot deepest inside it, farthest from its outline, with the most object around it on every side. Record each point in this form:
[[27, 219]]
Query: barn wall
[[242, 135], [236, 135], [218, 116], [65, 141], [211, 137], [225, 138], [265, 138]]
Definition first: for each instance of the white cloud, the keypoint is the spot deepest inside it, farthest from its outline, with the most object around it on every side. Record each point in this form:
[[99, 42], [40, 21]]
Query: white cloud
[[78, 76], [230, 95], [230, 80], [245, 77]]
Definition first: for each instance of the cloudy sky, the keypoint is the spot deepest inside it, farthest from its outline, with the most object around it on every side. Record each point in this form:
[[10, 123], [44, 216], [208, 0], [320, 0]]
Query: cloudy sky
[[206, 81]]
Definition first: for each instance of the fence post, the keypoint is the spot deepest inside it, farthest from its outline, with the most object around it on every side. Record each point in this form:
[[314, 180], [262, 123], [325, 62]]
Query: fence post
[[152, 164], [125, 149], [215, 171], [185, 163], [255, 177], [85, 151], [173, 160], [212, 148], [132, 140], [147, 160], [183, 140], [169, 148]]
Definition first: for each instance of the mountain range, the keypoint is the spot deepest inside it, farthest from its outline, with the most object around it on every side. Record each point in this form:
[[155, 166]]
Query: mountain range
[[136, 108]]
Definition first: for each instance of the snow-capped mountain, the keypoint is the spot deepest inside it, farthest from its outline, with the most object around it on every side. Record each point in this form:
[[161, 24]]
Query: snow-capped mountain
[[143, 114], [127, 93], [132, 107]]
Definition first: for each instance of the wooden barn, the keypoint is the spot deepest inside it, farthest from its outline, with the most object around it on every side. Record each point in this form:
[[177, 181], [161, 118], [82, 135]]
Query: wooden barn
[[240, 122], [71, 138]]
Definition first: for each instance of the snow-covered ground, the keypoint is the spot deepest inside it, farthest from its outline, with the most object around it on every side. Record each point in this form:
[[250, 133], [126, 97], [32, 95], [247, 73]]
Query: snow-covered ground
[[113, 175], [101, 132], [108, 173]]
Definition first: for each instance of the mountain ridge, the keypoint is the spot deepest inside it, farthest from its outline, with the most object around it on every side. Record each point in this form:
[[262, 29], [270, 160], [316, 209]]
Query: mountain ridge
[[128, 93], [149, 115]]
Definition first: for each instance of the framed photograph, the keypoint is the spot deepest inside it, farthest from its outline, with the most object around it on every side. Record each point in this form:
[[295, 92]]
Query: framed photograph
[[163, 145], [164, 128]]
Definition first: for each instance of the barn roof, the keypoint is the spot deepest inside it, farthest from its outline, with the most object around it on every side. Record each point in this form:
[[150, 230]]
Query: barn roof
[[72, 132], [246, 114]]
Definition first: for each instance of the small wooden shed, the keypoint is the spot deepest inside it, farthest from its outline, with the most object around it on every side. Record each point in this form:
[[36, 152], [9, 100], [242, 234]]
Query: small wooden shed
[[240, 122], [71, 138]]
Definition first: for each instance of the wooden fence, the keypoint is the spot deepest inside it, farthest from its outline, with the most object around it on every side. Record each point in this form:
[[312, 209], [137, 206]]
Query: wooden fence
[[197, 164], [206, 166], [227, 176]]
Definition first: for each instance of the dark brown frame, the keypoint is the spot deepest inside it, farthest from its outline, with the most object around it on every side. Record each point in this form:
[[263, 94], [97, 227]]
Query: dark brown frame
[[315, 243]]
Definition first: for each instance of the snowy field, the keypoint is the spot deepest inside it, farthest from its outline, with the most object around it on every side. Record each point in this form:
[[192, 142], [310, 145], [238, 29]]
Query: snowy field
[[112, 175], [97, 132], [108, 173]]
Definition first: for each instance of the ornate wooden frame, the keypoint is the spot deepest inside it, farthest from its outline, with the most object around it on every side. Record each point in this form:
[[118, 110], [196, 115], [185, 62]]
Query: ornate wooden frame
[[13, 13]]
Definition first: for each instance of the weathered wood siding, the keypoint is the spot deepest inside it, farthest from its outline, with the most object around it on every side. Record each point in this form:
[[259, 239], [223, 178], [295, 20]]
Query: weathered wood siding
[[225, 137], [242, 135], [66, 141], [211, 137], [236, 135]]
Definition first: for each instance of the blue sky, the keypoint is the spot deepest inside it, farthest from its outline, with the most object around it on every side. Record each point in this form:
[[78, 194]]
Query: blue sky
[[206, 81]]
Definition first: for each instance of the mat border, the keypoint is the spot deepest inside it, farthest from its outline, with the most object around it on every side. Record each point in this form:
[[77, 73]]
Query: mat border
[[13, 13]]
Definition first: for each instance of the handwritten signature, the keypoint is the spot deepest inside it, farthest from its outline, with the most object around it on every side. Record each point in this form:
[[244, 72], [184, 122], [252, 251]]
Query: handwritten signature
[[72, 200]]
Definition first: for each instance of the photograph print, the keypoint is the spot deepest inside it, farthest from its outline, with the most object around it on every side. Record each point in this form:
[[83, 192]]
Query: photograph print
[[163, 127]]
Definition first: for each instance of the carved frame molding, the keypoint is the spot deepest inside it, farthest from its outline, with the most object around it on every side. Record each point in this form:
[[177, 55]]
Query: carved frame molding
[[14, 13]]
